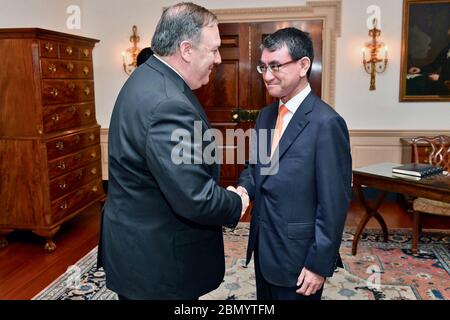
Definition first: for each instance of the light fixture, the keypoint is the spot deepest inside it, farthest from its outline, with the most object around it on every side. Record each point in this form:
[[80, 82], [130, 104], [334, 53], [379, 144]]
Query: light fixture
[[375, 64], [130, 55]]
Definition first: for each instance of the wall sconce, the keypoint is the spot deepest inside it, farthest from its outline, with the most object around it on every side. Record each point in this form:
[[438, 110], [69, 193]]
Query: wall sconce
[[374, 64], [130, 55]]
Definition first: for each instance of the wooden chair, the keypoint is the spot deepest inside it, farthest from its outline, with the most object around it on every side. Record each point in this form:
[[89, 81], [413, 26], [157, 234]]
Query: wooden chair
[[439, 155]]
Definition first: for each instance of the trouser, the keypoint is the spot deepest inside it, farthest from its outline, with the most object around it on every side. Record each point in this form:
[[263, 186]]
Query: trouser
[[268, 291]]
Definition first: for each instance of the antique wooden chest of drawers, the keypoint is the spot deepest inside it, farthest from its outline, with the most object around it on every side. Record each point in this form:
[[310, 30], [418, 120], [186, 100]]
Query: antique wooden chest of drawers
[[50, 163]]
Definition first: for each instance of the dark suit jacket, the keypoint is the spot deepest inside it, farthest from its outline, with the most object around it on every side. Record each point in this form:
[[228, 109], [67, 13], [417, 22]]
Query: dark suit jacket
[[299, 213], [162, 222]]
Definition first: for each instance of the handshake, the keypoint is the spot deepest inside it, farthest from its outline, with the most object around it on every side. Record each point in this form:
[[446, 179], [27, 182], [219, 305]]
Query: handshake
[[242, 192]]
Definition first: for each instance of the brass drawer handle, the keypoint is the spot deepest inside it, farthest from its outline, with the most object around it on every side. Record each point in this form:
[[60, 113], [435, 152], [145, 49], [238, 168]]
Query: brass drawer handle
[[87, 113], [69, 50], [54, 92], [87, 91], [64, 205], [80, 175], [70, 67], [86, 52], [49, 47], [93, 155], [61, 165], [62, 185], [55, 117], [73, 109], [94, 171], [77, 139], [52, 68], [86, 70], [60, 145], [91, 137], [72, 86], [94, 189], [77, 157]]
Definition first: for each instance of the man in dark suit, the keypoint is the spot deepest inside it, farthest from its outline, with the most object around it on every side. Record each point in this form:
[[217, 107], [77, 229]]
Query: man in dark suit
[[300, 206], [162, 223]]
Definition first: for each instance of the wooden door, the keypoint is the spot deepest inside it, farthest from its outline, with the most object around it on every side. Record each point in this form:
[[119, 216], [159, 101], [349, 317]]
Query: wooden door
[[235, 84], [227, 90]]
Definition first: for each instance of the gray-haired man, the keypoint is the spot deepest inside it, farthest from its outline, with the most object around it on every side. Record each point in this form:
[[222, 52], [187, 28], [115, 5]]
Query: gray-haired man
[[162, 223]]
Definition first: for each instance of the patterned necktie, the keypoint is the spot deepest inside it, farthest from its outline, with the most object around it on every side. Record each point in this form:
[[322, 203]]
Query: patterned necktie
[[278, 128]]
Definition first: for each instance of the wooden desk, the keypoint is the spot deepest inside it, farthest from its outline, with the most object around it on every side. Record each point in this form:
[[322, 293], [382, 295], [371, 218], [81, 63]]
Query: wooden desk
[[380, 177]]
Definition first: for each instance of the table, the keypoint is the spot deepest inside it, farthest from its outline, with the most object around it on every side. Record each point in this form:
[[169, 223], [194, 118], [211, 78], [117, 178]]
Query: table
[[379, 176]]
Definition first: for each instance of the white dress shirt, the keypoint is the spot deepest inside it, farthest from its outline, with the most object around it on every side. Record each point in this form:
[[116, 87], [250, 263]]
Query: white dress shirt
[[292, 105]]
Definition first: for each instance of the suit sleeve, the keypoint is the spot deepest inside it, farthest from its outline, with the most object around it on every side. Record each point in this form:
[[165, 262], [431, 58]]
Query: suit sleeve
[[333, 181], [246, 179], [247, 176], [188, 187]]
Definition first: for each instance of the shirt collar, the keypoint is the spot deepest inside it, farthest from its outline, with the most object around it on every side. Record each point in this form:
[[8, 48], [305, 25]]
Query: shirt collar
[[293, 104], [160, 59]]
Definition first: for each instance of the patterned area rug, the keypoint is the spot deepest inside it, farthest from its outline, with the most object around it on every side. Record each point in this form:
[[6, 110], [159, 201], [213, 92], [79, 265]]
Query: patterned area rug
[[380, 271]]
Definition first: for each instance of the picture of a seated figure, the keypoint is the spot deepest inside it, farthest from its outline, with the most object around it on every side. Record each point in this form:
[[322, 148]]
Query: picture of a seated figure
[[432, 78]]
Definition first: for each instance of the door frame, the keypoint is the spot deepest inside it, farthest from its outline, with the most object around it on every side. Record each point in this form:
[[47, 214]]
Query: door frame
[[327, 11]]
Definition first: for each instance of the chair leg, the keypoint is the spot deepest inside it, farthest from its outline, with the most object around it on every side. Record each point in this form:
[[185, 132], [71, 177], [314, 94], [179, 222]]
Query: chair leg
[[417, 228]]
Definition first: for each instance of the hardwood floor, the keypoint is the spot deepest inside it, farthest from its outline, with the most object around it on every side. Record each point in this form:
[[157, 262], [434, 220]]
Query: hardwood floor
[[25, 269]]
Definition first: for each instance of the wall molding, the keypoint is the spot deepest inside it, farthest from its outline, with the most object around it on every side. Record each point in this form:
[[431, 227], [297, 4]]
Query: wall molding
[[327, 11], [396, 133], [375, 146], [367, 146]]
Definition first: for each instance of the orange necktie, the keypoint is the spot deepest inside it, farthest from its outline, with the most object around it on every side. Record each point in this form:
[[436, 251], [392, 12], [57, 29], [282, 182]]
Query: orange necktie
[[282, 110]]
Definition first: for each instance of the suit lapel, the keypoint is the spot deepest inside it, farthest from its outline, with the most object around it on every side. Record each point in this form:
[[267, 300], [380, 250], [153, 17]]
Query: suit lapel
[[270, 125], [194, 100], [297, 124]]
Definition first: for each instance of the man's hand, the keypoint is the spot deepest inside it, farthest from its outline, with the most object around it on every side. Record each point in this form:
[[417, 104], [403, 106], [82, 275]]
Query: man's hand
[[241, 190], [310, 282], [434, 77], [244, 197]]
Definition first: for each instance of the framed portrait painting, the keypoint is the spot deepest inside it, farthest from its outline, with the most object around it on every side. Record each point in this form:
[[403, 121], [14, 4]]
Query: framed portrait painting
[[425, 58]]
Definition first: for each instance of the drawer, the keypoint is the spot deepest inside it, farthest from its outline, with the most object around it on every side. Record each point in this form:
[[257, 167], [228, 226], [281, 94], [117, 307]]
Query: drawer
[[63, 117], [60, 69], [85, 53], [67, 91], [68, 51], [75, 179], [75, 200], [63, 145], [48, 48], [73, 161]]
